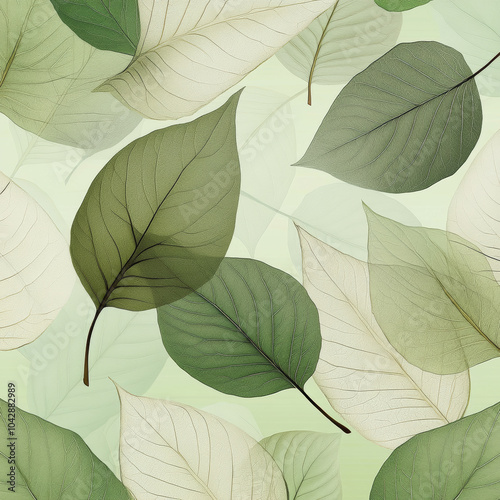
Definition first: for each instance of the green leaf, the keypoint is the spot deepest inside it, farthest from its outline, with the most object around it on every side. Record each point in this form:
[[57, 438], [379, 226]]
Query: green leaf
[[252, 330], [159, 217], [51, 462], [47, 75], [309, 462], [105, 24], [400, 5], [409, 120], [458, 461], [434, 296], [331, 50]]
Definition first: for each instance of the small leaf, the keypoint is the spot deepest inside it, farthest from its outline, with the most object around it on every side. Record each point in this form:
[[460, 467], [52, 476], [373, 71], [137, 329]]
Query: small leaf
[[400, 5], [170, 450], [47, 75], [51, 462], [337, 45], [434, 295], [458, 461], [252, 330], [105, 24], [309, 462], [158, 219], [474, 211], [409, 120], [36, 276], [364, 378], [221, 41]]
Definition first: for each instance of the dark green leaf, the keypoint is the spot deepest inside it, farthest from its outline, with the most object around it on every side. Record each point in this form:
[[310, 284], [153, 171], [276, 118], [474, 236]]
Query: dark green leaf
[[158, 219], [51, 463], [252, 330], [409, 120], [400, 5], [105, 24], [460, 461]]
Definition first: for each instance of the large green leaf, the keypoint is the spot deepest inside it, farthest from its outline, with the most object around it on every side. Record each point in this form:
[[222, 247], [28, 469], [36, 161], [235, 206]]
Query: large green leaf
[[105, 24], [331, 50], [252, 330], [434, 295], [400, 5], [460, 461], [158, 219], [51, 463], [309, 463], [47, 75], [409, 120]]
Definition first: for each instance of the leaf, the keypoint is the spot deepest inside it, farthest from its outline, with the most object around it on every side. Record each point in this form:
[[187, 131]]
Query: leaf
[[474, 30], [223, 42], [47, 75], [105, 24], [364, 378], [251, 331], [399, 5], [341, 42], [474, 211], [51, 462], [309, 462], [36, 275], [458, 461], [170, 450], [409, 120], [126, 347], [434, 296]]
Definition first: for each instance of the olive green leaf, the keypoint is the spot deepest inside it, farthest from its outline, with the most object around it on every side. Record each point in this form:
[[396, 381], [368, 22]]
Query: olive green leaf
[[105, 24], [174, 451], [460, 461], [400, 5], [337, 45], [434, 295], [409, 120], [50, 462], [309, 463], [222, 40], [47, 75], [158, 219], [250, 331]]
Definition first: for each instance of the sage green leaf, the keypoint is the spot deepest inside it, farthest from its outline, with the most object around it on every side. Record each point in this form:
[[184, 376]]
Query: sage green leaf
[[105, 24], [434, 296], [460, 461], [47, 75], [338, 44], [158, 219], [309, 462], [252, 330], [51, 462], [400, 5], [409, 120]]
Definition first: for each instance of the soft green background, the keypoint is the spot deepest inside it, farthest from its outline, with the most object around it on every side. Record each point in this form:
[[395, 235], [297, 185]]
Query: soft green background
[[359, 459]]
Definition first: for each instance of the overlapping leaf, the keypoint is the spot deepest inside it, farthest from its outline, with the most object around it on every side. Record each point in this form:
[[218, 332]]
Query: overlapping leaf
[[251, 330], [170, 450], [475, 211], [364, 378], [458, 461], [400, 5], [47, 75], [434, 296], [409, 120], [190, 54], [51, 462], [36, 276]]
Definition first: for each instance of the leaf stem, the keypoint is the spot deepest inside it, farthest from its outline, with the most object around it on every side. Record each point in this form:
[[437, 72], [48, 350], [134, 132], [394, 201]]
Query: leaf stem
[[316, 55], [484, 67], [87, 347]]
